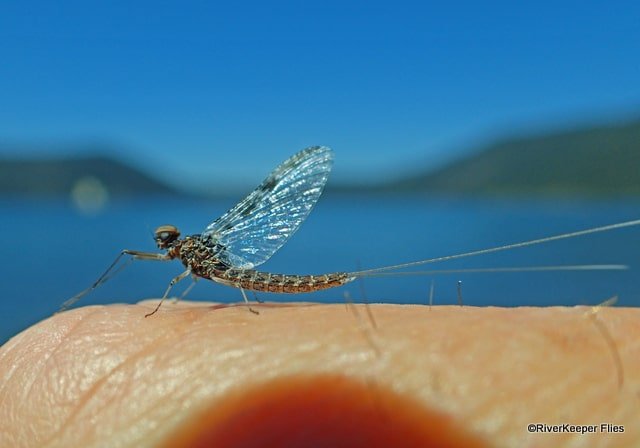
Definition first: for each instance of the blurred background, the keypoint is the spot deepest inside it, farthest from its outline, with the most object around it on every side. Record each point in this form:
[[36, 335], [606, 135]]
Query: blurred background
[[455, 127]]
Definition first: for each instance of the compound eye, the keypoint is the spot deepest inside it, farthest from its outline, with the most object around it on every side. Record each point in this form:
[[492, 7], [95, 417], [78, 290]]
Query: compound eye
[[164, 235]]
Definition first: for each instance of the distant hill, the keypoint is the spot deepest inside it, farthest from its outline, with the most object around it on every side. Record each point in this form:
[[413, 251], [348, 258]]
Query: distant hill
[[594, 161], [59, 176]]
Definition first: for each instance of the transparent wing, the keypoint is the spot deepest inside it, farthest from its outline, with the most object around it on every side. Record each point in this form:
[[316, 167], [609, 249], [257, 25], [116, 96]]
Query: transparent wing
[[252, 231]]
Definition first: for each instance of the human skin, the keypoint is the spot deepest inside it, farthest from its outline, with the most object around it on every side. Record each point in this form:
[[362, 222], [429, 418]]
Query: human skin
[[108, 376]]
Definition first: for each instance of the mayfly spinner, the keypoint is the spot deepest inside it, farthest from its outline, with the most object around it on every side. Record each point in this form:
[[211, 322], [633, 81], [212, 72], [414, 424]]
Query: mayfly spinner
[[231, 247]]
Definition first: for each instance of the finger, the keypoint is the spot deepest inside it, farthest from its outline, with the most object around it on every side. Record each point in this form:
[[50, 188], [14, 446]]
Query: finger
[[102, 376]]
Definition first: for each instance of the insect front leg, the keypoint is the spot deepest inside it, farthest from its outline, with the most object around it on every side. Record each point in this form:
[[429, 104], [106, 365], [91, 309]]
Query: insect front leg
[[138, 255], [106, 275], [166, 293]]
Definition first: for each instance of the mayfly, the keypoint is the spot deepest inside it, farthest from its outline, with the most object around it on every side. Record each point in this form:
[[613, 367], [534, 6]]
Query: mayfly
[[231, 247]]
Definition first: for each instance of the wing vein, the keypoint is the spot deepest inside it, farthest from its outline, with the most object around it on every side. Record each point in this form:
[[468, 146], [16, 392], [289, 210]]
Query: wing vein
[[254, 229]]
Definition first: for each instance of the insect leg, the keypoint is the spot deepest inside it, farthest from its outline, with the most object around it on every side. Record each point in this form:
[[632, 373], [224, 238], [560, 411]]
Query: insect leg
[[106, 275], [244, 296], [256, 298], [432, 290], [186, 291], [166, 293], [136, 254]]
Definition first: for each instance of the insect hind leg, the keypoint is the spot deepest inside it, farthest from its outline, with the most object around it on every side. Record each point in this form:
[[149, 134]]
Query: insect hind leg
[[244, 296], [256, 298]]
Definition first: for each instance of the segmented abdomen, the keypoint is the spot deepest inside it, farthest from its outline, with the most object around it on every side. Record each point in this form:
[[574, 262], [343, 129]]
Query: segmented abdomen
[[282, 283]]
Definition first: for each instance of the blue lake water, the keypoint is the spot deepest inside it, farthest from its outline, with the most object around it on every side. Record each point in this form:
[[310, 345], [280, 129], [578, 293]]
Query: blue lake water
[[50, 251]]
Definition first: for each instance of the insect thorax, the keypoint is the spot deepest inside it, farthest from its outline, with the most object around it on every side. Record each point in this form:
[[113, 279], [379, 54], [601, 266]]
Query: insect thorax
[[200, 256]]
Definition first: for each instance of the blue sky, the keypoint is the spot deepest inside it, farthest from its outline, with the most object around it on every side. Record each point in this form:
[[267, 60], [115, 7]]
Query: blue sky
[[220, 92]]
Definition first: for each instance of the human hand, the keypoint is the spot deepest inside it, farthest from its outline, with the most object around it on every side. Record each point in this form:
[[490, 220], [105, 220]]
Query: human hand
[[106, 376]]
